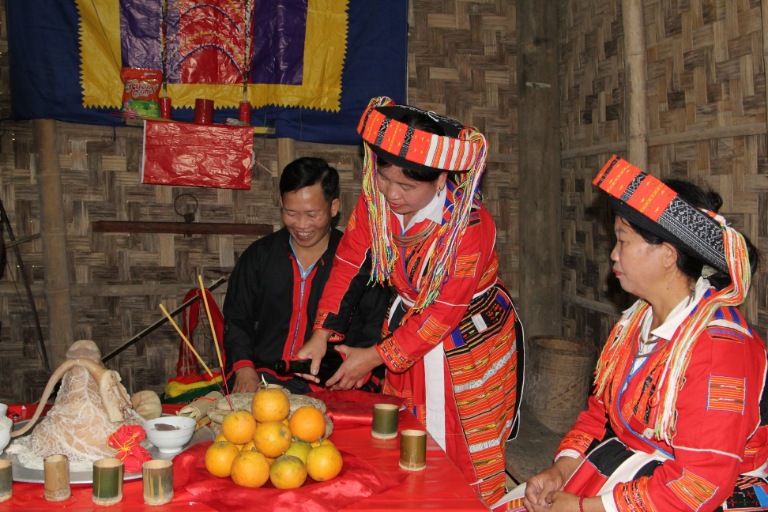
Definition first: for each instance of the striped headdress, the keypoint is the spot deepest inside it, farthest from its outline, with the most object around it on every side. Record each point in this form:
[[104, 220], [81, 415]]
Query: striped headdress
[[462, 150], [644, 200]]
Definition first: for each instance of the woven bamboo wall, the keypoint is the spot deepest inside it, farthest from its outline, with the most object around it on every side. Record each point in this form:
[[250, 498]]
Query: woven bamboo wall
[[707, 122], [461, 63]]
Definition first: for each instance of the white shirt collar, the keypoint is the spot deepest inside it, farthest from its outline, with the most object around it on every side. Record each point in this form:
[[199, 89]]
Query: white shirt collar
[[675, 317], [433, 211]]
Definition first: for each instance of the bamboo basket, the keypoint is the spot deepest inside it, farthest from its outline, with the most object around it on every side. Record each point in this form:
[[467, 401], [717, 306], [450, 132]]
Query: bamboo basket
[[558, 381]]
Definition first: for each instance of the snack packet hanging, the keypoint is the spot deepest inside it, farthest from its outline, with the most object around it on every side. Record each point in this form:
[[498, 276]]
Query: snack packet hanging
[[141, 92]]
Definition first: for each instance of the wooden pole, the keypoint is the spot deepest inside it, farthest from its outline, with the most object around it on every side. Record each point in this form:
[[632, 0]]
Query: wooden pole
[[53, 232], [286, 153], [764, 9], [637, 76], [538, 131]]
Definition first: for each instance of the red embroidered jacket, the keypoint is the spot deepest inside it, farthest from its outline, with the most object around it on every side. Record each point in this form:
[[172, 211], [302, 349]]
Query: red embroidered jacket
[[720, 430], [476, 270]]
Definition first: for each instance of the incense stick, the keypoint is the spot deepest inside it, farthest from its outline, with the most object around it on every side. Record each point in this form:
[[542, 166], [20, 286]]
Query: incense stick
[[186, 340], [215, 339]]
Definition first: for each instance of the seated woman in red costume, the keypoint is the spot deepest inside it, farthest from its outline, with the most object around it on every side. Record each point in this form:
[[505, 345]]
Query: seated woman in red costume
[[451, 344], [675, 421]]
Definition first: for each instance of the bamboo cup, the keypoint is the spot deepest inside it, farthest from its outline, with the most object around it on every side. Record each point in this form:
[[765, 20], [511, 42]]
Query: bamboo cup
[[107, 481], [158, 482], [56, 477], [6, 480], [385, 421], [413, 450]]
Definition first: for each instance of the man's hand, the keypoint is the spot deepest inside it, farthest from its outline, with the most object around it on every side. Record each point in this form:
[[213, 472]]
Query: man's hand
[[355, 368], [246, 380], [314, 349]]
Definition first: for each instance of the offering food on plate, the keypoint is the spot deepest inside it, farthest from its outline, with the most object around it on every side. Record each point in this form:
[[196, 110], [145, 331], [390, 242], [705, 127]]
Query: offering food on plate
[[244, 402], [90, 406]]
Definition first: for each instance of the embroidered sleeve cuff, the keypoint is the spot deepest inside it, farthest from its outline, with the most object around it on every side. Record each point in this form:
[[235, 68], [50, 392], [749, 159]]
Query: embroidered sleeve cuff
[[632, 496], [577, 441], [335, 337], [393, 355], [319, 326]]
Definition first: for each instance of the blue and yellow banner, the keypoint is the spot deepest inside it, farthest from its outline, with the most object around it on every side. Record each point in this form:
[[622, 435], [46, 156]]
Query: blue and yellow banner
[[308, 67]]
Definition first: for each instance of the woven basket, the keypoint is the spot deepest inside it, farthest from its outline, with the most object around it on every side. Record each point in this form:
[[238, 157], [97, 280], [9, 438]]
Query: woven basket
[[558, 380]]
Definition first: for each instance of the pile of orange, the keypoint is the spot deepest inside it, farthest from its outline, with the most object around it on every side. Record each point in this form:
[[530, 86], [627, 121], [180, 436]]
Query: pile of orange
[[264, 445]]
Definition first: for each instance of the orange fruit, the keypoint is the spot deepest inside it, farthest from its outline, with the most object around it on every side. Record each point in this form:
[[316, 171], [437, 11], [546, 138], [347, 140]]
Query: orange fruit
[[250, 469], [270, 405], [219, 458], [219, 437], [308, 424], [247, 446], [324, 462], [288, 472], [321, 442], [238, 427], [272, 438], [271, 461], [299, 449]]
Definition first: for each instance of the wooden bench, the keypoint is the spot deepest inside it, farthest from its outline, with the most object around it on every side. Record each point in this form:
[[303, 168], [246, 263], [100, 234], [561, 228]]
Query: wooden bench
[[532, 451]]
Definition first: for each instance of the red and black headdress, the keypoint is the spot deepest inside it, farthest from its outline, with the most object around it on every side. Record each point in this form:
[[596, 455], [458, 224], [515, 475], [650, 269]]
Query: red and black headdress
[[461, 150]]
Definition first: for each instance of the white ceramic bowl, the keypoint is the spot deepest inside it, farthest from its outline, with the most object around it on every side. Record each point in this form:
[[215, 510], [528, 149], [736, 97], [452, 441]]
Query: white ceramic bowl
[[5, 437], [170, 441]]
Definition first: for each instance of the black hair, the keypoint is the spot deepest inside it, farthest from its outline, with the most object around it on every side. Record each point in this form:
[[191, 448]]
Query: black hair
[[308, 171], [424, 123], [688, 263]]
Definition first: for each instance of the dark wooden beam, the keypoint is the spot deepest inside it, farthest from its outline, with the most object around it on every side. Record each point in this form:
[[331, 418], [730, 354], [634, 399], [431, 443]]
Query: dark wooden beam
[[539, 168], [22, 240], [191, 228]]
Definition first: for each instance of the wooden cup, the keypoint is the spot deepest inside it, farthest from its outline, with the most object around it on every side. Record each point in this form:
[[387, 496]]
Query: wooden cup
[[385, 421], [6, 480], [158, 481], [56, 478], [413, 450], [107, 481]]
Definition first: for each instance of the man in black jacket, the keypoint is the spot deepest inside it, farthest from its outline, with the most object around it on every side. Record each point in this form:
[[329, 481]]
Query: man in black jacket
[[278, 281]]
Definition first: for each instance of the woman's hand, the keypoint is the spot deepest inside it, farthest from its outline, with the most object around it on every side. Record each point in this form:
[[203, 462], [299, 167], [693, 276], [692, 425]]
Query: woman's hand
[[355, 368], [567, 502], [246, 380], [315, 350], [540, 489]]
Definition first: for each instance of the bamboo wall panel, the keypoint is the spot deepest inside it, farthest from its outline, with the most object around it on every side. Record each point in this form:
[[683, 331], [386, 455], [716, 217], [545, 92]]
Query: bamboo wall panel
[[707, 124], [461, 63], [592, 74]]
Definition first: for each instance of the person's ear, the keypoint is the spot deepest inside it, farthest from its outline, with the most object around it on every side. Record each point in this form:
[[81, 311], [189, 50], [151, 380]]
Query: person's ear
[[335, 204], [441, 180], [281, 201], [669, 255]]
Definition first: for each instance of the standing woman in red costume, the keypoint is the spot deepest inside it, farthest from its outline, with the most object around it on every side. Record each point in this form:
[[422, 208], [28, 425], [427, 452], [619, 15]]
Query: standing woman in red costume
[[452, 343]]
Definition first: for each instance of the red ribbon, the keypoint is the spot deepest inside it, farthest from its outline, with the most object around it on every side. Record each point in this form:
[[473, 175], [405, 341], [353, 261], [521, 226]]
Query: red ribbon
[[126, 441]]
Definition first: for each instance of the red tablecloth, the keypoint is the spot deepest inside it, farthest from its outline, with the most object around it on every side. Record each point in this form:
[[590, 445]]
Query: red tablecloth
[[439, 487]]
